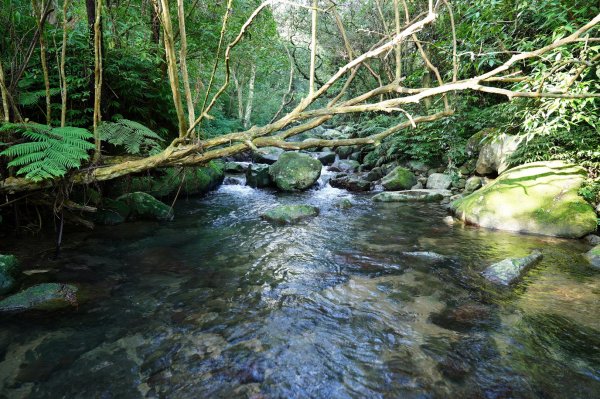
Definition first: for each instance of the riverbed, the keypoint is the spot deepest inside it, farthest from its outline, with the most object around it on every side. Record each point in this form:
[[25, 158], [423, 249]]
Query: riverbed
[[378, 300]]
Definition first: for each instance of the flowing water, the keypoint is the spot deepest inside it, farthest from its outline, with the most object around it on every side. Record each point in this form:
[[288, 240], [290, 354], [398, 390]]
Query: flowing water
[[375, 301]]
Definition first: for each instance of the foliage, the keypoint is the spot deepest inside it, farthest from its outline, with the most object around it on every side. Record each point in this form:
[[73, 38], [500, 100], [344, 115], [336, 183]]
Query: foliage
[[48, 152], [133, 136]]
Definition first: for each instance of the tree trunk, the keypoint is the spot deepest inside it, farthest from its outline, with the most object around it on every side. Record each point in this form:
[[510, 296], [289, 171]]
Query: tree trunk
[[63, 56], [250, 100], [38, 10], [240, 98], [97, 77], [183, 63], [168, 38], [313, 49], [4, 92], [90, 6]]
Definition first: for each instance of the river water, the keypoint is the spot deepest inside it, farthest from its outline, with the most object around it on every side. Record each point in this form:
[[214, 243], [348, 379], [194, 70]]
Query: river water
[[222, 304]]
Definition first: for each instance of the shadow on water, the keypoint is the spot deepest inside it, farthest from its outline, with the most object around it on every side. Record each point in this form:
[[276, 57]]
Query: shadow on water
[[379, 301]]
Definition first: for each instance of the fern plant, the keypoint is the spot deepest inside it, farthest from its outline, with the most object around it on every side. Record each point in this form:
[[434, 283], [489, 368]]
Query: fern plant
[[49, 152], [135, 137]]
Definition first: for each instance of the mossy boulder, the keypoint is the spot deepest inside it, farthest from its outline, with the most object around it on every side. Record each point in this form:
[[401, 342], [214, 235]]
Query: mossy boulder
[[48, 296], [399, 179], [287, 214], [344, 151], [145, 206], [295, 171], [593, 256], [351, 183], [257, 175], [473, 183], [510, 270], [166, 182], [9, 272], [112, 212], [536, 198]]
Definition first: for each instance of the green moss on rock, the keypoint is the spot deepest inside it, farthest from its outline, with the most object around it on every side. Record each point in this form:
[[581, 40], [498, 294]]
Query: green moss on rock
[[399, 179], [9, 271], [145, 206], [286, 214], [49, 296], [295, 171], [537, 198]]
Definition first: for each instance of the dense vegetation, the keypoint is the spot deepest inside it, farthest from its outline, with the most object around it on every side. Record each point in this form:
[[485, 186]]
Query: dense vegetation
[[132, 78]]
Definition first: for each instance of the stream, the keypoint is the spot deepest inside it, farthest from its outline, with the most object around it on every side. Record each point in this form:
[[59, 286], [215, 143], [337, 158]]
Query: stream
[[381, 300]]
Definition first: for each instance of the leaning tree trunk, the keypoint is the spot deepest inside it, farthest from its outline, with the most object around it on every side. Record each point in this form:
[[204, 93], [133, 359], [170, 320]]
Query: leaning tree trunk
[[4, 93], [250, 100], [183, 63], [97, 77]]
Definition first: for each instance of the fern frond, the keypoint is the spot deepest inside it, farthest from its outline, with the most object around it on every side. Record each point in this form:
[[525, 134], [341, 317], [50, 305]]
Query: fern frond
[[133, 136]]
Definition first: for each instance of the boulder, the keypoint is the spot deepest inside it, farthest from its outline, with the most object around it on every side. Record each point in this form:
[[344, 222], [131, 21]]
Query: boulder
[[355, 156], [295, 171], [326, 157], [592, 239], [268, 155], [345, 165], [412, 196], [257, 175], [476, 141], [345, 151], [536, 198], [344, 204], [288, 214], [439, 181], [417, 166], [510, 270], [9, 272], [350, 183], [399, 179], [593, 256], [493, 156], [235, 167], [48, 296], [333, 134], [473, 183], [145, 206], [374, 174], [112, 212]]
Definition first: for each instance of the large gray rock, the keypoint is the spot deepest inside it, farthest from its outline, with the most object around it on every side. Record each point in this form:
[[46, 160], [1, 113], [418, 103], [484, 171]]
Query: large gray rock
[[350, 183], [537, 198], [235, 167], [49, 296], [593, 256], [493, 156], [9, 272], [439, 181], [345, 165], [326, 157], [268, 155], [412, 196], [399, 179], [288, 214], [295, 171], [257, 175], [145, 206], [510, 270]]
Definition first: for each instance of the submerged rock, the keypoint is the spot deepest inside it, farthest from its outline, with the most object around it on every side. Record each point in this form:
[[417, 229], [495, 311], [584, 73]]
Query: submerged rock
[[538, 198], [287, 214], [593, 256], [257, 175], [9, 271], [48, 296], [399, 179], [412, 196], [463, 317], [295, 171], [509, 270], [145, 206], [344, 204], [426, 255], [350, 183], [439, 181]]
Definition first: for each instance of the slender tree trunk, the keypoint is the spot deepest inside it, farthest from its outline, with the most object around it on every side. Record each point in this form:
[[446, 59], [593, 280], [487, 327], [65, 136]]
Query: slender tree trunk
[[250, 100], [63, 56], [313, 48], [183, 63], [90, 6], [398, 48], [4, 92], [97, 77], [38, 17], [168, 38], [240, 98]]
